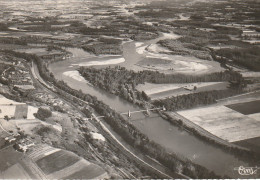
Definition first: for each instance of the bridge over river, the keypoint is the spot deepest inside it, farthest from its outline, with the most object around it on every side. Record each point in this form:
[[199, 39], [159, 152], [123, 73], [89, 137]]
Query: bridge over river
[[145, 111]]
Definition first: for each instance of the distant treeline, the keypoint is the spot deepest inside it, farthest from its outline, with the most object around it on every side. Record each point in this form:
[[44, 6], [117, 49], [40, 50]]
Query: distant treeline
[[10, 40], [99, 31], [245, 57], [195, 99], [104, 48]]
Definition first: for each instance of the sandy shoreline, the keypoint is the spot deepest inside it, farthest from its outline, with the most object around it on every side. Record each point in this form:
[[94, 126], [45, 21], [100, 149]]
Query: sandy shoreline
[[104, 62], [74, 75]]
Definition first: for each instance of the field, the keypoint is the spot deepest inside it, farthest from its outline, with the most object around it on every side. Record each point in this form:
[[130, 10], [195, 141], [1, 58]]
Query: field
[[21, 111], [159, 91], [246, 107], [8, 158], [7, 110], [5, 101], [15, 109], [250, 74], [90, 172], [61, 164], [224, 122], [253, 144], [43, 161], [31, 111], [15, 172], [56, 161]]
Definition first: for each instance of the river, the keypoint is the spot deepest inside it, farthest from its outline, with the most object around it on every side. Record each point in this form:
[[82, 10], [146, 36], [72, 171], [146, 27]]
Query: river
[[157, 129]]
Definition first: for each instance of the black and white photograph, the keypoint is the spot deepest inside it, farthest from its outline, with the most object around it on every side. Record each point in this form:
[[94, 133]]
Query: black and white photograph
[[129, 89]]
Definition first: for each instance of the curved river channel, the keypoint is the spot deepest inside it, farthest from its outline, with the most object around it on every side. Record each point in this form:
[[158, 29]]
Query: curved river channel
[[157, 129]]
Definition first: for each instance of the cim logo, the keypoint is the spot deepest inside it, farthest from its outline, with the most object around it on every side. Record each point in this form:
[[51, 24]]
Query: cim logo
[[246, 171]]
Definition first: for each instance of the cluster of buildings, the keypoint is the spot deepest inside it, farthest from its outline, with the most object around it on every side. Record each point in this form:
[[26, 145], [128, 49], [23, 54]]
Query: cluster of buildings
[[21, 144]]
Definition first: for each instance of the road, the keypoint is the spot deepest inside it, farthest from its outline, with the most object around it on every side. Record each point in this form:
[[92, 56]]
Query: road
[[109, 135]]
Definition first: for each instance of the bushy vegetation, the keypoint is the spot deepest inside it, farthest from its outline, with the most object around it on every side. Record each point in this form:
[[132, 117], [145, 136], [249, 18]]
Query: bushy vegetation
[[9, 40], [109, 31], [246, 57], [187, 48], [42, 131], [103, 48], [144, 36], [43, 113], [3, 27]]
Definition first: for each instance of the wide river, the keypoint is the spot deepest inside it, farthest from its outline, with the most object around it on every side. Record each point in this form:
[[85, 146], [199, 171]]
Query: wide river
[[157, 129]]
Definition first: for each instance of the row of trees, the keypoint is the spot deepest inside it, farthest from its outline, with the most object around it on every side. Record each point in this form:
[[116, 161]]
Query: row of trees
[[194, 99]]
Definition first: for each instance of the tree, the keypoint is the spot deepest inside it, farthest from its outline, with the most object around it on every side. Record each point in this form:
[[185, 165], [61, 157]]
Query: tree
[[145, 96], [43, 113], [6, 117]]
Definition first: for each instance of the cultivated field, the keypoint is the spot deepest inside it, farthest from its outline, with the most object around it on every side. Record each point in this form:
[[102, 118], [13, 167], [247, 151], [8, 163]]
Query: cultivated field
[[43, 161], [56, 161], [61, 164], [246, 108], [7, 110], [15, 109], [224, 122], [8, 164], [16, 171], [5, 101], [21, 111]]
